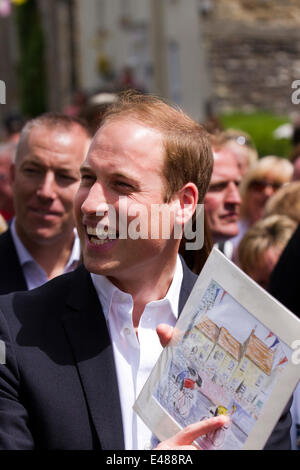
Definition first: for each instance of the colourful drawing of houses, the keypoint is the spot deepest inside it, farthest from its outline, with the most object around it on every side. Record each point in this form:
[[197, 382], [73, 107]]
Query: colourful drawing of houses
[[229, 367], [204, 336], [255, 368], [225, 356]]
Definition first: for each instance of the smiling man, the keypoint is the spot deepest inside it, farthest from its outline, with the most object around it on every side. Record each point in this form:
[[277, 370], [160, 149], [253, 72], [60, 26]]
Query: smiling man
[[42, 242], [80, 348]]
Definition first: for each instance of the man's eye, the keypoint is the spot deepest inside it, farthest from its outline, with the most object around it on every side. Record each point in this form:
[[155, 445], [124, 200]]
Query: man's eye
[[217, 187], [66, 178], [32, 171], [124, 185]]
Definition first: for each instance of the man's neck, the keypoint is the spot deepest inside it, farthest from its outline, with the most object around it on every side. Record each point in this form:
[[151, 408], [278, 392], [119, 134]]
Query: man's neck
[[53, 256], [147, 288]]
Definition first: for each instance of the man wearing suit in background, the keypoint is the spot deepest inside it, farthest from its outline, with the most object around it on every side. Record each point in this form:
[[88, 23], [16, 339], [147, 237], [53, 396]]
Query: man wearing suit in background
[[41, 242], [80, 348]]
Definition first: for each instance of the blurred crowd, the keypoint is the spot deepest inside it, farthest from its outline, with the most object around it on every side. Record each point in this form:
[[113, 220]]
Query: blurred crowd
[[252, 206]]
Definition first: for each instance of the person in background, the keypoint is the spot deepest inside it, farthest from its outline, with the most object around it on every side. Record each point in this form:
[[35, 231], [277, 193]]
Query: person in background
[[13, 124], [294, 158], [262, 245], [42, 242], [78, 103], [95, 108], [3, 225], [222, 200], [286, 201], [7, 155], [265, 177], [240, 145]]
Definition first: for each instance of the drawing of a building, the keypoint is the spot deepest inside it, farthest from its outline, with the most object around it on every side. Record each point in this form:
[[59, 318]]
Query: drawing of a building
[[224, 358], [244, 368], [205, 336], [255, 369]]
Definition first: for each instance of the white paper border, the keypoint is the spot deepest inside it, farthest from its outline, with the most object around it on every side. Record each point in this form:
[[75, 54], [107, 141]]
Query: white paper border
[[268, 311]]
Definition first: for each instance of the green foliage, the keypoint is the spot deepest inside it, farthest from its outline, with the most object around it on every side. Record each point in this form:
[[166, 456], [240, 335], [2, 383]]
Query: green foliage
[[260, 126], [31, 69]]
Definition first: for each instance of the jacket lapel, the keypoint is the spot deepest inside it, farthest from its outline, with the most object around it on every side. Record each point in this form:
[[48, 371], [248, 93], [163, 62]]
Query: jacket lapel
[[11, 273], [87, 333], [188, 281]]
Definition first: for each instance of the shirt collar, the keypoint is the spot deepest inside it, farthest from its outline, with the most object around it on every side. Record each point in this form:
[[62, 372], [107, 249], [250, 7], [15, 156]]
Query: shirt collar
[[106, 291], [25, 257]]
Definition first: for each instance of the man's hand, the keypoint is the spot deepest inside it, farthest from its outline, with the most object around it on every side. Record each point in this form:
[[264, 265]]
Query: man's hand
[[165, 333], [184, 439]]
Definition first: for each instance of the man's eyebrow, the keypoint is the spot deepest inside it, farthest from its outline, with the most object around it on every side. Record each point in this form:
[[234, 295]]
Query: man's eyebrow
[[127, 178], [40, 164], [86, 168], [123, 175], [32, 161]]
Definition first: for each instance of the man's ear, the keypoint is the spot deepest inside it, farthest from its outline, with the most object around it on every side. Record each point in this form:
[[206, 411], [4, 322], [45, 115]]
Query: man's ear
[[188, 200]]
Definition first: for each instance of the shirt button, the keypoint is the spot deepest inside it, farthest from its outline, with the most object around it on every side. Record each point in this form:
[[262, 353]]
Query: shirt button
[[127, 331], [148, 446]]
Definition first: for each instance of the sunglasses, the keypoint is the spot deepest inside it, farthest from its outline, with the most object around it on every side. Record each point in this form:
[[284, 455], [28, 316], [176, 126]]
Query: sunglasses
[[261, 185], [242, 140]]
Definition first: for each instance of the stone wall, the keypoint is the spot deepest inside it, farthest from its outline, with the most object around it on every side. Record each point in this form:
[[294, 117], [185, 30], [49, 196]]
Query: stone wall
[[253, 53]]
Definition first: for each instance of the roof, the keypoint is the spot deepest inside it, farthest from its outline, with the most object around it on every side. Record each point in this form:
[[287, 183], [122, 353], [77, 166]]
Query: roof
[[229, 343], [260, 354], [209, 329]]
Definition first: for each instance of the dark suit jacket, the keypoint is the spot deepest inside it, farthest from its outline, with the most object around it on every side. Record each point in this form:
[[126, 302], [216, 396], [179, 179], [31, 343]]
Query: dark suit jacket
[[284, 281], [11, 274], [58, 389]]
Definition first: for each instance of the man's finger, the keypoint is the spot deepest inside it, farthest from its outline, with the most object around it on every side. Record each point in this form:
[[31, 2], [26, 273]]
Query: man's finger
[[188, 435], [165, 333]]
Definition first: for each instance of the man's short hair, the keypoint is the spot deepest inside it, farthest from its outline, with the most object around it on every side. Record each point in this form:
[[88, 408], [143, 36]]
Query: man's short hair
[[188, 155], [239, 139], [51, 120]]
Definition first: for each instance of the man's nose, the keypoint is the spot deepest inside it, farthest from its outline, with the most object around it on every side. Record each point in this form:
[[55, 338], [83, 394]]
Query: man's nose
[[47, 188], [233, 195], [95, 201]]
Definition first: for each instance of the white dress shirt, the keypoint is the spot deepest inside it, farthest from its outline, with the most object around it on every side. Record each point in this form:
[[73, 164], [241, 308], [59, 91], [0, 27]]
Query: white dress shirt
[[135, 358], [34, 275]]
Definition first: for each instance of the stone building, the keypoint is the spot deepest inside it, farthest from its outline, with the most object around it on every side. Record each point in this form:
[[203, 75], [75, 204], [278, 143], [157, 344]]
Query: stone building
[[253, 51]]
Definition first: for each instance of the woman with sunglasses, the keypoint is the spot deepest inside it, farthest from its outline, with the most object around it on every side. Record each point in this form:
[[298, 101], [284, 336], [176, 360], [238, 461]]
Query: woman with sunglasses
[[261, 181]]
